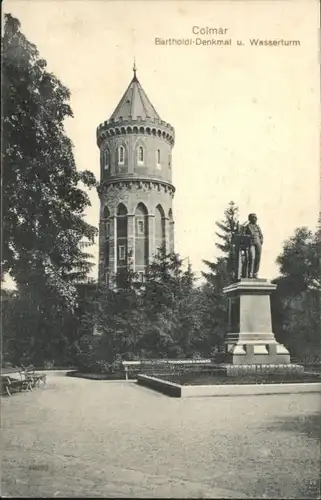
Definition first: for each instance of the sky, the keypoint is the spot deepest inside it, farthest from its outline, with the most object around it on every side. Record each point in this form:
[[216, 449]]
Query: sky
[[247, 118]]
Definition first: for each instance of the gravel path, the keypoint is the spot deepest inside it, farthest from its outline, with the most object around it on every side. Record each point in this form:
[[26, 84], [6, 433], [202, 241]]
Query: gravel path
[[92, 438]]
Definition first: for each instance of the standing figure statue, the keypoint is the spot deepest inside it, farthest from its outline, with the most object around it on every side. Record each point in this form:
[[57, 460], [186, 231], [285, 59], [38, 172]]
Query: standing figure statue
[[247, 248], [252, 229]]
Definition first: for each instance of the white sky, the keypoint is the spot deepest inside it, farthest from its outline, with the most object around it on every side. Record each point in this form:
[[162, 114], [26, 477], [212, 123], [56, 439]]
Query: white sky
[[246, 118]]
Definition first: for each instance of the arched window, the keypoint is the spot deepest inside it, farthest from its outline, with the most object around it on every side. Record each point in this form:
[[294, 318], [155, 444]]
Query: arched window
[[158, 157], [106, 159], [159, 228], [141, 237], [141, 219], [107, 222], [140, 154], [107, 228], [122, 234], [171, 230], [121, 154], [121, 210]]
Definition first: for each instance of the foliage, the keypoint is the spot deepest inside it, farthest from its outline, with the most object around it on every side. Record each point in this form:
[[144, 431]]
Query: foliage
[[228, 227], [221, 271], [43, 204], [298, 262], [170, 300], [157, 318], [296, 305], [8, 334], [169, 317], [220, 274]]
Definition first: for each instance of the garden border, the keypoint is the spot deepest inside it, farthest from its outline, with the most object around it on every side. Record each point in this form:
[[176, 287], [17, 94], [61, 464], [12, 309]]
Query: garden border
[[189, 391]]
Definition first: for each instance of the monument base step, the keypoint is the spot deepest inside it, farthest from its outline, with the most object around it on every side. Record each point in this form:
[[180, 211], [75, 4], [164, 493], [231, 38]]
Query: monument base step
[[257, 359], [256, 352]]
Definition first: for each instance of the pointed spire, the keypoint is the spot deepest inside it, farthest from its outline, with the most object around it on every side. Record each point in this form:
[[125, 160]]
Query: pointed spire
[[134, 69], [135, 102]]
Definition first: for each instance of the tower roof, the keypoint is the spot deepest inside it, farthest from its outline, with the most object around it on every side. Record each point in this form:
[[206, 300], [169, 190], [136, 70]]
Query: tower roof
[[135, 103]]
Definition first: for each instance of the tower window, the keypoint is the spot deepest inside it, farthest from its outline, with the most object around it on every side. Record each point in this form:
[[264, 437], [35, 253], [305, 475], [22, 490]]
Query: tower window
[[107, 229], [141, 277], [106, 159], [140, 154], [121, 252], [158, 157], [140, 227], [107, 279], [121, 154]]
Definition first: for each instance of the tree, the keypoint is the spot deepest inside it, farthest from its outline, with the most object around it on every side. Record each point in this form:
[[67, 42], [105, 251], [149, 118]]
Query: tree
[[228, 226], [170, 300], [297, 311], [298, 262], [220, 274], [154, 319], [43, 203], [221, 270], [8, 298], [119, 321]]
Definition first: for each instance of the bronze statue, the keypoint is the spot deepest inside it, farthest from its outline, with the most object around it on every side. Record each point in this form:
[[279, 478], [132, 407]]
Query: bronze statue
[[248, 243]]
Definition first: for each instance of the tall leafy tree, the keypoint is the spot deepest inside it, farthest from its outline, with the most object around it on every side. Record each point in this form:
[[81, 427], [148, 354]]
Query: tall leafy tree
[[170, 300], [296, 304], [43, 202], [8, 298], [299, 262], [220, 274], [156, 318], [119, 320], [221, 270]]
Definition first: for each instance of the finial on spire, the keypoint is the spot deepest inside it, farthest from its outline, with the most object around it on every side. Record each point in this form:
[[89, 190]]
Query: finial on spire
[[134, 67]]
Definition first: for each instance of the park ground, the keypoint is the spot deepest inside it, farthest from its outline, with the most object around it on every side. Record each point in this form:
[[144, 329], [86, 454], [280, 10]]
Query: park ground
[[87, 438]]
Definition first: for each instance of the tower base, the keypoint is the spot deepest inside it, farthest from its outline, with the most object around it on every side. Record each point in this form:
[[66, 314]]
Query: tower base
[[250, 340]]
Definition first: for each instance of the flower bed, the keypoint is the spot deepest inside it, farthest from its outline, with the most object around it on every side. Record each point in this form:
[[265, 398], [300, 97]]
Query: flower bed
[[96, 376], [214, 378]]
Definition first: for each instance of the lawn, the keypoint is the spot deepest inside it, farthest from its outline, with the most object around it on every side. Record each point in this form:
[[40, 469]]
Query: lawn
[[93, 438]]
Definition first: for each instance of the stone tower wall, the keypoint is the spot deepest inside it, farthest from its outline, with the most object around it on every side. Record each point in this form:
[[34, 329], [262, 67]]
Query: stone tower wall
[[156, 199], [131, 164], [136, 196]]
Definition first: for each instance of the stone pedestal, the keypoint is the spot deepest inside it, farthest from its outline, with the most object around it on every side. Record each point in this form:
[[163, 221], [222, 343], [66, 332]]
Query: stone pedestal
[[250, 340]]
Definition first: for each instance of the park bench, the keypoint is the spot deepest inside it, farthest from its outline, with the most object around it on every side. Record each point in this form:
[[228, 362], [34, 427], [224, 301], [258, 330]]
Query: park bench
[[10, 384], [32, 379], [131, 368], [26, 381]]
